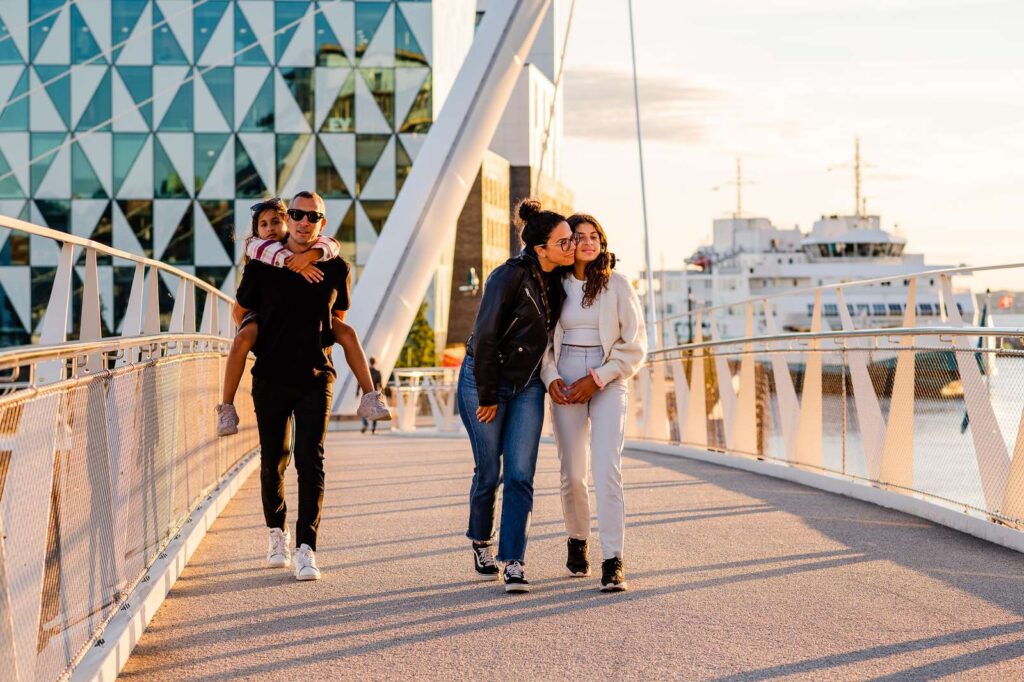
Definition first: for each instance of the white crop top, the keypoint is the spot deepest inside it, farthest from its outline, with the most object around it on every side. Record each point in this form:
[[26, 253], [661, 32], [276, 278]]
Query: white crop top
[[581, 325]]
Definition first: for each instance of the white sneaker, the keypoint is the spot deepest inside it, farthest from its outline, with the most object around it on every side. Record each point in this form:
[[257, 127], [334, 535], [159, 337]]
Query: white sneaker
[[305, 564], [227, 420], [278, 554], [373, 408]]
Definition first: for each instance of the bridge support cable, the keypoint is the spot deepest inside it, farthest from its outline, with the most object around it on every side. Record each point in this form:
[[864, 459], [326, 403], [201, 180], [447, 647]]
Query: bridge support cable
[[554, 100], [425, 214]]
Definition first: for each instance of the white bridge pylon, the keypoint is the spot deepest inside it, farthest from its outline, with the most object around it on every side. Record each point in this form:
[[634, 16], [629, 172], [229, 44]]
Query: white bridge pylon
[[403, 262]]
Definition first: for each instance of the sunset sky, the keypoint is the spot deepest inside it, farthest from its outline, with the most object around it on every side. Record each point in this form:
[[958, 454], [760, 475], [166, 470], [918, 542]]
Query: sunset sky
[[934, 89]]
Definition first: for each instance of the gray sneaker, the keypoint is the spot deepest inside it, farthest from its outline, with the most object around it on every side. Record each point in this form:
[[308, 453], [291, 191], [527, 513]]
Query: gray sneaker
[[373, 408], [227, 420]]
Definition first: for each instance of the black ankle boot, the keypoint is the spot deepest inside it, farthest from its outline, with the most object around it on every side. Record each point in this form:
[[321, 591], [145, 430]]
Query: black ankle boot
[[578, 561]]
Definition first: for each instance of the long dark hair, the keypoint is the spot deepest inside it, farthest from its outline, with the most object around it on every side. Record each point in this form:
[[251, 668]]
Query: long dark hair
[[598, 271], [536, 224], [257, 209]]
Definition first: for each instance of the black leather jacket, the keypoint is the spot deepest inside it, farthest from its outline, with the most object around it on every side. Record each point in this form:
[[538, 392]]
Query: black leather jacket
[[512, 330]]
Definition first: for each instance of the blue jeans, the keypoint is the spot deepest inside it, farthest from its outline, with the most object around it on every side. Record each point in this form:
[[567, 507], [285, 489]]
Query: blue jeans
[[515, 435]]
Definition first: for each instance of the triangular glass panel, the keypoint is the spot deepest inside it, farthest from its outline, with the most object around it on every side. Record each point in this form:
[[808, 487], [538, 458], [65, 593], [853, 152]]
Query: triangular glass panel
[[346, 234], [248, 182], [377, 212], [368, 151], [9, 53], [261, 114], [9, 187], [180, 113], [56, 213], [221, 214], [84, 47], [15, 116], [381, 83], [84, 183], [44, 148], [98, 111], [139, 81], [215, 275], [16, 248], [124, 15], [103, 233], [341, 118], [166, 298], [208, 148], [329, 51], [180, 249], [289, 149], [421, 113], [205, 18], [286, 14], [12, 329], [221, 83], [39, 32], [59, 89], [166, 181], [407, 49], [126, 148], [166, 49], [403, 164], [247, 48], [124, 277], [368, 18], [328, 181], [139, 214], [300, 84]]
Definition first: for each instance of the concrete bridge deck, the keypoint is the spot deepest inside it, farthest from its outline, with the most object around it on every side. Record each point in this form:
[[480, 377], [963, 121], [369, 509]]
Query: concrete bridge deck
[[733, 577]]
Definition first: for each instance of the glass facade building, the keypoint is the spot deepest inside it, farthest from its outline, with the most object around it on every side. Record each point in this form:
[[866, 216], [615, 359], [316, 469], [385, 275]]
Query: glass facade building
[[153, 125]]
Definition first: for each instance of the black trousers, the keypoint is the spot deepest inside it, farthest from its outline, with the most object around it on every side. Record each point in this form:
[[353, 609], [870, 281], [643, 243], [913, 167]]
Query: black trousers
[[274, 404]]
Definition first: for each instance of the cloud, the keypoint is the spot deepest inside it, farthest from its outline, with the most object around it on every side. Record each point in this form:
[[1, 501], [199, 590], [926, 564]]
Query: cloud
[[599, 106]]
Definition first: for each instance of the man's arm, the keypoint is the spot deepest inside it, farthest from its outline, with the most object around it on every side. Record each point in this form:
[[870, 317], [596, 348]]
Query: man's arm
[[237, 313], [248, 295]]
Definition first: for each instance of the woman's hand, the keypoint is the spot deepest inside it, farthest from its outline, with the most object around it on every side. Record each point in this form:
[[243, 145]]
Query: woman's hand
[[297, 262], [582, 390], [485, 414], [557, 391], [312, 274]]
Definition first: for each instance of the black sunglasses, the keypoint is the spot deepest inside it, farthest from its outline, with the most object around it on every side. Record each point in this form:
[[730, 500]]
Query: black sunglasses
[[269, 203], [312, 216]]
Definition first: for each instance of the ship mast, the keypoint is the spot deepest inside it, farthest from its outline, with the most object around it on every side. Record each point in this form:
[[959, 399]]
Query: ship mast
[[857, 204], [738, 182]]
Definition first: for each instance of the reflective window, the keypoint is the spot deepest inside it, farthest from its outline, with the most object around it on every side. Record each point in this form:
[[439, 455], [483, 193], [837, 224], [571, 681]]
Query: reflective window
[[342, 116], [15, 116], [124, 15], [221, 83], [166, 49], [180, 114], [382, 86], [208, 148], [247, 181], [368, 151], [878, 309], [286, 14], [407, 49], [97, 113], [831, 310], [328, 181], [300, 83], [261, 115], [420, 114], [368, 18], [44, 147], [180, 249], [895, 309], [221, 214], [125, 149], [84, 182], [167, 183], [346, 234], [247, 47], [40, 27], [328, 48], [289, 151], [9, 53], [139, 81], [59, 89], [139, 214], [403, 164], [205, 18], [84, 47], [15, 249]]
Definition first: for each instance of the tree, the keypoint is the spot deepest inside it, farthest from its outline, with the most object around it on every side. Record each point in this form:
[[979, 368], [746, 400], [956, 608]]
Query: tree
[[418, 350]]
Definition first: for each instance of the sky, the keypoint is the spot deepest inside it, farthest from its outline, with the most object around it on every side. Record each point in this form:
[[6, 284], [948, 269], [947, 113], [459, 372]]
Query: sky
[[933, 88]]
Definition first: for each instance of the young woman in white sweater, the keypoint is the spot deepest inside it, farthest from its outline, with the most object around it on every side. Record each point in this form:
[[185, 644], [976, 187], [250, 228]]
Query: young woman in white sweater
[[599, 343]]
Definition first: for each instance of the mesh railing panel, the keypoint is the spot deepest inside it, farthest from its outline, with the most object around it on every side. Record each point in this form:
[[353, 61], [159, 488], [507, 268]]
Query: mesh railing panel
[[96, 476], [938, 420]]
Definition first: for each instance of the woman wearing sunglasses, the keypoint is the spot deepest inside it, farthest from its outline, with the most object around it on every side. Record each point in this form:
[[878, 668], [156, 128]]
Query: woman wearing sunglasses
[[501, 397], [265, 244], [599, 343]]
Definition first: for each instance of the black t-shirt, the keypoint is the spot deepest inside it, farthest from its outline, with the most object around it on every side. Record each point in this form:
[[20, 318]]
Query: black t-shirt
[[293, 344]]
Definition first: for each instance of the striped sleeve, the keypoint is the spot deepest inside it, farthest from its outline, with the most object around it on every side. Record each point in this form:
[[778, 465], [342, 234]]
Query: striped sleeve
[[266, 251], [330, 246]]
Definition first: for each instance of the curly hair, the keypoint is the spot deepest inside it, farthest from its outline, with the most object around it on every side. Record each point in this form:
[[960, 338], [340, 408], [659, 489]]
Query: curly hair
[[536, 223], [598, 271]]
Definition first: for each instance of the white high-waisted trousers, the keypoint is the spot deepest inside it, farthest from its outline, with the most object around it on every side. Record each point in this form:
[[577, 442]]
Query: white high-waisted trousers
[[592, 432]]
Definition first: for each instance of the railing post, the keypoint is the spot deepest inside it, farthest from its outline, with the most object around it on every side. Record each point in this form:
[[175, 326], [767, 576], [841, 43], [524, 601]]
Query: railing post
[[809, 431], [789, 406], [90, 326], [869, 412], [131, 324], [744, 427], [55, 321], [697, 417], [898, 448], [726, 393]]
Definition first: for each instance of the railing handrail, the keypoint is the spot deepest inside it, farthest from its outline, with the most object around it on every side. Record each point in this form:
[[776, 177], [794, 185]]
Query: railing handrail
[[19, 355], [960, 270], [852, 333], [67, 238]]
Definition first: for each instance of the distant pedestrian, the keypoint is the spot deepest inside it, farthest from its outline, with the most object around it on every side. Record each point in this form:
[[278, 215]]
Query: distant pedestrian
[[375, 378], [599, 343], [500, 394]]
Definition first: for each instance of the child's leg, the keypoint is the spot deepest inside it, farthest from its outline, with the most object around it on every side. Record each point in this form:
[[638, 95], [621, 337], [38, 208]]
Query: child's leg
[[354, 355], [240, 347]]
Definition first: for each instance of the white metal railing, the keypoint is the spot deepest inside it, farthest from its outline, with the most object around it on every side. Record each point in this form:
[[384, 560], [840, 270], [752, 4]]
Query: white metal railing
[[107, 446], [435, 385]]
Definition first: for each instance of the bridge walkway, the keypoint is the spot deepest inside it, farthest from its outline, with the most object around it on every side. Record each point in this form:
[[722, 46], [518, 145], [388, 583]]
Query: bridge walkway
[[733, 577]]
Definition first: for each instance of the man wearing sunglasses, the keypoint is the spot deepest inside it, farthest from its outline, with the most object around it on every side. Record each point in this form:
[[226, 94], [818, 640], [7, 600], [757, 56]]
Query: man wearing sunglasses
[[293, 373]]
